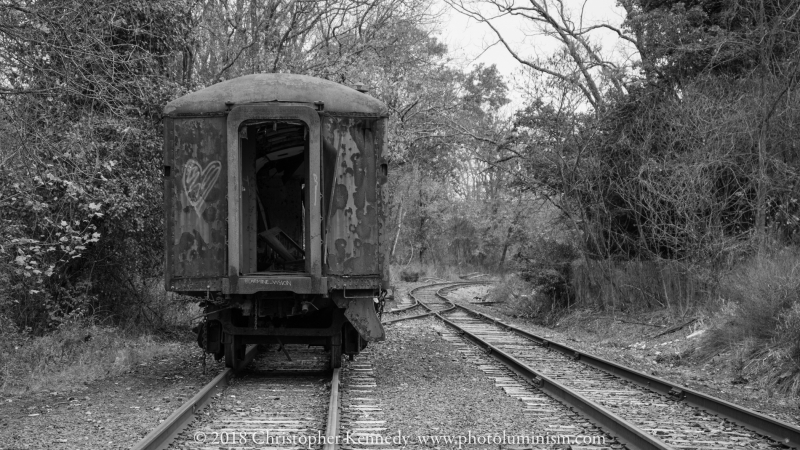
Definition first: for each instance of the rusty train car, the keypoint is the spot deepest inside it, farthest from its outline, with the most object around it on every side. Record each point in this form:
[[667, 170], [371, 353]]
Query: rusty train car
[[274, 201]]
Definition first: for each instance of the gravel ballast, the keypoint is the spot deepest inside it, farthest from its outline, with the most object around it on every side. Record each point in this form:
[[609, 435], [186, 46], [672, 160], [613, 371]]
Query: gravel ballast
[[427, 388]]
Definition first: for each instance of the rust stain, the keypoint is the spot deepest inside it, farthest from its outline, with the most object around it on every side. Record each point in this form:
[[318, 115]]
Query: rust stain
[[352, 225]]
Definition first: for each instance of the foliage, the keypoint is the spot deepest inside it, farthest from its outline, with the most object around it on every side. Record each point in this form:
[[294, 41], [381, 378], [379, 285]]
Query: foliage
[[687, 167], [546, 264], [451, 206], [687, 164], [342, 40], [80, 169], [683, 40]]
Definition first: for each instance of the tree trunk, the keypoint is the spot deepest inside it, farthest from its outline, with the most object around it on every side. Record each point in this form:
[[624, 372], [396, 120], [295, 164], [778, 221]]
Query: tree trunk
[[505, 249]]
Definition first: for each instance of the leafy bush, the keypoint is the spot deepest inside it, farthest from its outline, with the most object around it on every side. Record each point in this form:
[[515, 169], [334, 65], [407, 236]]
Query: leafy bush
[[547, 265], [80, 187], [410, 275]]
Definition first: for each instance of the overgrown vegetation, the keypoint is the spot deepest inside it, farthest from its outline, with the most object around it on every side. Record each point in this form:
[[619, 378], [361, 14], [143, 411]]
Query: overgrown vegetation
[[666, 178], [82, 87], [675, 172]]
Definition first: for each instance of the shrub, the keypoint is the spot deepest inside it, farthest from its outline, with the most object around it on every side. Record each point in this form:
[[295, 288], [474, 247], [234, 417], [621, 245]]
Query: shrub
[[546, 264], [80, 163], [759, 320], [410, 275], [641, 285]]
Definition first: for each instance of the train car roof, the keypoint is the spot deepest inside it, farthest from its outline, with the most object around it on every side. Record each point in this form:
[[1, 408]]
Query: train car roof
[[275, 87]]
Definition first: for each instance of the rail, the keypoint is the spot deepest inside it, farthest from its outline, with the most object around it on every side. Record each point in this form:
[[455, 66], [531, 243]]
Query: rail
[[332, 425], [161, 437], [624, 430], [417, 302], [753, 420], [165, 432]]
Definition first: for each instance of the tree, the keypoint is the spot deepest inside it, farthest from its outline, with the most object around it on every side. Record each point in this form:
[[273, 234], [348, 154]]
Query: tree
[[579, 61]]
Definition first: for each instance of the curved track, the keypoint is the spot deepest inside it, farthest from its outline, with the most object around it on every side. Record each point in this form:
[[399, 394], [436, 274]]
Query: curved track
[[427, 295], [639, 410]]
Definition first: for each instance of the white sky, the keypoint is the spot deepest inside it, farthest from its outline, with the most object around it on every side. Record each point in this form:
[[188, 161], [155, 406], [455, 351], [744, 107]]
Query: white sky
[[472, 43]]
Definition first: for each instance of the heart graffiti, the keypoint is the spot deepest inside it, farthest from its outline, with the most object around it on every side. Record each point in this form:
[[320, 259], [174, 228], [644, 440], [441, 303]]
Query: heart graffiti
[[198, 182]]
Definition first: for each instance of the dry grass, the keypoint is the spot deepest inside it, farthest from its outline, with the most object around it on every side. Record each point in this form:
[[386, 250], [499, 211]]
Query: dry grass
[[74, 354], [759, 321], [82, 350]]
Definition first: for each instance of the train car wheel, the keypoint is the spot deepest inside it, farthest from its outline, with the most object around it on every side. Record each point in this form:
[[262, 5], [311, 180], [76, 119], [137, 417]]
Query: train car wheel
[[234, 352], [230, 355]]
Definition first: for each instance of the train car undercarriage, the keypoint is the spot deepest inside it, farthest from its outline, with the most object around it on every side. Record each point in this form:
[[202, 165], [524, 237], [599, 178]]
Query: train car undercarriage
[[280, 319]]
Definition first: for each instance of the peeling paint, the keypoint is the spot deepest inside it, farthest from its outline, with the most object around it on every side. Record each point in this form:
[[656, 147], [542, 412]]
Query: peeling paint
[[351, 239]]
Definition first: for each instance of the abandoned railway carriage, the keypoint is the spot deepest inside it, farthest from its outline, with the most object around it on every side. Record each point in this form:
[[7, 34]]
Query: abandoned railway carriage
[[274, 205]]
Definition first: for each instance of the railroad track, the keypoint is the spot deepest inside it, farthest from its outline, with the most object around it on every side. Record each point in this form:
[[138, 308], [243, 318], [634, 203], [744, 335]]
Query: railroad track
[[362, 418], [548, 416], [641, 411], [427, 295], [269, 402]]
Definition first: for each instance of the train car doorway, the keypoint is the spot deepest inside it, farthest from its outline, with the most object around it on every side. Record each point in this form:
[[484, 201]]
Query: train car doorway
[[274, 161]]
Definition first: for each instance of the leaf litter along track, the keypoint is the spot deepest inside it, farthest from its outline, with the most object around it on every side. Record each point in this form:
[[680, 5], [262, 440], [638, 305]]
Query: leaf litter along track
[[666, 422], [272, 403]]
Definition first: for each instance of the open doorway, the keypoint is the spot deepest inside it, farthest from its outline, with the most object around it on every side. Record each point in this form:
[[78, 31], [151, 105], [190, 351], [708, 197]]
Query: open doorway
[[274, 166]]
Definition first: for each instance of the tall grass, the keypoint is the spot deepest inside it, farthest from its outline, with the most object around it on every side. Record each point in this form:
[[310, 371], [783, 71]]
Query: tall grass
[[759, 320], [74, 354], [81, 350]]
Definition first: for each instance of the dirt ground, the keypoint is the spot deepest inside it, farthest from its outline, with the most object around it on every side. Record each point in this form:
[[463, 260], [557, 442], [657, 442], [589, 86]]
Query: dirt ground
[[113, 413]]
